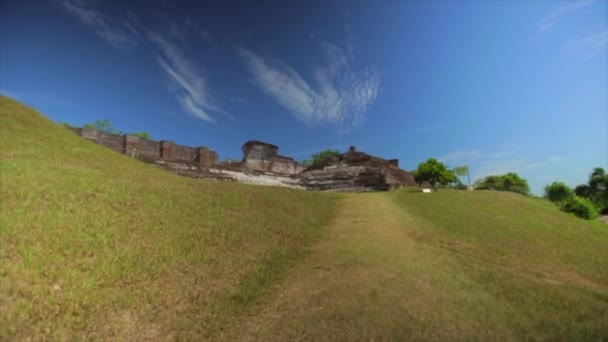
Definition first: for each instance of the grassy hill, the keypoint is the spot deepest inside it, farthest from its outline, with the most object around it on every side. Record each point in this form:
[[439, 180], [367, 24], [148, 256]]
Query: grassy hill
[[94, 245]]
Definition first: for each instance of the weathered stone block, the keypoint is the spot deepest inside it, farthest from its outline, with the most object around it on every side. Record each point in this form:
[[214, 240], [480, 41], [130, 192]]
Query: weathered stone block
[[89, 133], [205, 156], [166, 149], [131, 144]]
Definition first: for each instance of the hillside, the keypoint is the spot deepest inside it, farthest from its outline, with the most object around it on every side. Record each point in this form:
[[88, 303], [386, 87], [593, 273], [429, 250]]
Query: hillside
[[96, 245]]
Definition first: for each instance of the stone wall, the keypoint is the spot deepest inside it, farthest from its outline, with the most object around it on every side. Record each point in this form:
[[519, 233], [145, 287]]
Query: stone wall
[[355, 171], [351, 171], [150, 150], [263, 157]]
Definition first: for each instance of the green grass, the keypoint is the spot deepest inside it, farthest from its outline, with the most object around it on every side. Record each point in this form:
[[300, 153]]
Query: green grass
[[515, 266], [94, 244]]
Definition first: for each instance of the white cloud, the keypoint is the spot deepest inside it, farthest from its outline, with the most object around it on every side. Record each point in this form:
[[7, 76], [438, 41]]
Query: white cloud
[[461, 156], [550, 20], [10, 94], [495, 161], [189, 85], [121, 35], [340, 95], [593, 44]]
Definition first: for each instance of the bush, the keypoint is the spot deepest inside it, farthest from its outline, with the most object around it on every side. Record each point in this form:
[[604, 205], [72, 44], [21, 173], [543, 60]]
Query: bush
[[558, 192], [508, 182], [596, 189], [104, 126], [580, 207], [320, 157], [143, 135]]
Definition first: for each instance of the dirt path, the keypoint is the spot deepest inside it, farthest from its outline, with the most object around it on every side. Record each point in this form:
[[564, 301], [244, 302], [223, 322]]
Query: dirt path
[[357, 284]]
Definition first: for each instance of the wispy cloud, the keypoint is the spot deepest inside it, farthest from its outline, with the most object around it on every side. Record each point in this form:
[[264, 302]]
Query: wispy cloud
[[497, 160], [10, 94], [593, 44], [460, 156], [551, 19], [119, 33], [187, 82], [339, 95], [38, 98]]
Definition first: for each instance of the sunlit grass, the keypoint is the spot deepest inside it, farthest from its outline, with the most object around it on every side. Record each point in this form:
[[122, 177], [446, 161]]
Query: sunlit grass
[[94, 244], [514, 265]]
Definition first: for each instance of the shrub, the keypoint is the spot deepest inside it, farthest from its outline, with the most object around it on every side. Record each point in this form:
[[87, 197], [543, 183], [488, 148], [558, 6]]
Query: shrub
[[104, 126], [558, 192], [580, 207], [318, 158], [596, 189], [509, 182], [143, 135]]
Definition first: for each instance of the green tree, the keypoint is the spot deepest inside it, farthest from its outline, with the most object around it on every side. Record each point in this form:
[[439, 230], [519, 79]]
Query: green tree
[[514, 183], [318, 158], [143, 135], [596, 189], [434, 172], [558, 192], [103, 126], [582, 190], [580, 207], [508, 182]]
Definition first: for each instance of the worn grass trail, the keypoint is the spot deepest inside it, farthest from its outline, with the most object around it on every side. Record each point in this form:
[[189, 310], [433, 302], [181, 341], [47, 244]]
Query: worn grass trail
[[356, 284], [384, 272]]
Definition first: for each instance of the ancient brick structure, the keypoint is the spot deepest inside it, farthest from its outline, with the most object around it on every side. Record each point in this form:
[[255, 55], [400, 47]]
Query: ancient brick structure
[[356, 171], [264, 157], [150, 150], [351, 171]]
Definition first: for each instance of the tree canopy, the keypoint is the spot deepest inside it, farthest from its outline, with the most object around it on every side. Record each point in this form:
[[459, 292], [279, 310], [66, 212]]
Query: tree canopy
[[143, 135], [104, 126], [596, 189], [507, 182], [558, 192], [319, 157], [434, 172]]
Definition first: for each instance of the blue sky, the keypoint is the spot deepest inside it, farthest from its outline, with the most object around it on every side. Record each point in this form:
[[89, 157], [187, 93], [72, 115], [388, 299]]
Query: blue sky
[[500, 86]]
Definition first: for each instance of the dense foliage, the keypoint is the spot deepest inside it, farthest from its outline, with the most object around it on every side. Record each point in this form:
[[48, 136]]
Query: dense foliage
[[508, 182], [143, 135], [580, 207], [587, 200], [318, 158], [104, 126], [434, 172], [108, 127], [596, 189], [558, 192]]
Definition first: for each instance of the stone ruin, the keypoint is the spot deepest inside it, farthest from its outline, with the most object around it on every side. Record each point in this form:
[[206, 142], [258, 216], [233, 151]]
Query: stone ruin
[[261, 164], [356, 171], [260, 156]]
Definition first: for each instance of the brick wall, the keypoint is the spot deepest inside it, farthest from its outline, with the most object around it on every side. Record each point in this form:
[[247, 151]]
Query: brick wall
[[149, 150], [112, 141]]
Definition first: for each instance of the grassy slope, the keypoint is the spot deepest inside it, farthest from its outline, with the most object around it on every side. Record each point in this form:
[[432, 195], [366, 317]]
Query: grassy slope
[[94, 244], [513, 265], [445, 266]]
